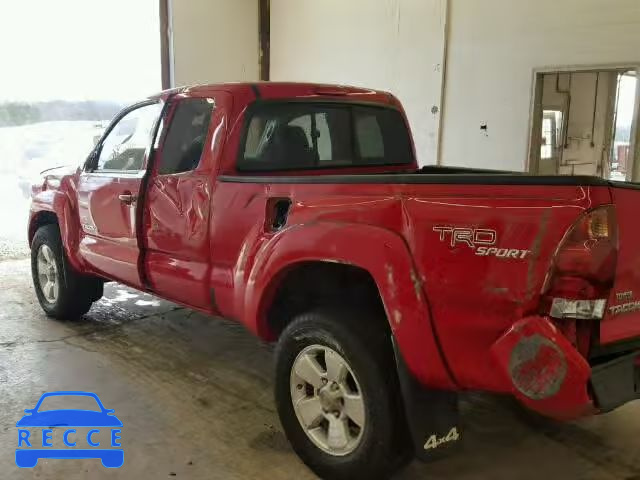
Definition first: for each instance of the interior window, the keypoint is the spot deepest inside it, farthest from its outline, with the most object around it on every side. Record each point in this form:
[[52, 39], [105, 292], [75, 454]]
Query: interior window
[[584, 123], [124, 147], [319, 130], [186, 136], [369, 136], [303, 122], [311, 135], [324, 138], [551, 126]]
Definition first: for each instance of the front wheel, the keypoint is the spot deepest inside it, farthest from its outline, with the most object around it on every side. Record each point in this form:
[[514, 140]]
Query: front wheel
[[337, 397], [62, 292]]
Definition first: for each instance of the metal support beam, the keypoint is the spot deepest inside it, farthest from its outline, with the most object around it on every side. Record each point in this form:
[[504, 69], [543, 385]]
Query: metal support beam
[[264, 29], [165, 44]]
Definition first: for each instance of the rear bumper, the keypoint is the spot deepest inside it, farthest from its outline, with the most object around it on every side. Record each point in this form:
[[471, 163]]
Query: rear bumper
[[547, 374]]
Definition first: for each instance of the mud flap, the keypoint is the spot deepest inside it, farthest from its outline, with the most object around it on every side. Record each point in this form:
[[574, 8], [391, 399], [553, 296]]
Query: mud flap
[[432, 415]]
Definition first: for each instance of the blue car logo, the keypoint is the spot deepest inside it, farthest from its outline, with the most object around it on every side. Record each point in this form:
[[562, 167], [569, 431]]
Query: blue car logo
[[34, 445]]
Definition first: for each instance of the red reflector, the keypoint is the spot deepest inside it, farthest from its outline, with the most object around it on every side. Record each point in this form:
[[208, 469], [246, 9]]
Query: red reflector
[[537, 367]]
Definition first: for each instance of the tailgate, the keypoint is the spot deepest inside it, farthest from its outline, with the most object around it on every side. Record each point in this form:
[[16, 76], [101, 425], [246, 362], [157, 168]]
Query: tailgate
[[622, 318]]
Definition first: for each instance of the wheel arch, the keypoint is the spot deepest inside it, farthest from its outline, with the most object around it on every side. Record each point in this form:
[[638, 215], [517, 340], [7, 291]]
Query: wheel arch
[[54, 207], [40, 219], [311, 284], [380, 257]]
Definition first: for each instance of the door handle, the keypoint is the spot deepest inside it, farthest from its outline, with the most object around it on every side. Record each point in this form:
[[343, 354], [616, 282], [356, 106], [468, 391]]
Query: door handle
[[127, 198]]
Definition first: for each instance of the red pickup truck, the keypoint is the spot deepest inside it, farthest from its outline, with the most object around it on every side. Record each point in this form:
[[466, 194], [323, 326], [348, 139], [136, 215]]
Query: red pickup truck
[[300, 211]]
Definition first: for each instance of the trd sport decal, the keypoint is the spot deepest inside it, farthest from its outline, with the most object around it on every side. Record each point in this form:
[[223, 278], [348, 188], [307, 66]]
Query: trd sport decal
[[482, 240]]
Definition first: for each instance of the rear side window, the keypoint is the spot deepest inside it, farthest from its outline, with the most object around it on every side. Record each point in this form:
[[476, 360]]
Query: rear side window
[[308, 135], [186, 136]]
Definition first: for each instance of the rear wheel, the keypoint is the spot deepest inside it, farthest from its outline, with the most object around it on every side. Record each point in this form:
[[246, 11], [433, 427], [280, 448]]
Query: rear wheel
[[62, 292], [337, 397]]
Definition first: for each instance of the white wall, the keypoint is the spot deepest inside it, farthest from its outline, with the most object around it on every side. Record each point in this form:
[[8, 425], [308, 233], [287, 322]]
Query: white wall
[[494, 46], [394, 45], [214, 41]]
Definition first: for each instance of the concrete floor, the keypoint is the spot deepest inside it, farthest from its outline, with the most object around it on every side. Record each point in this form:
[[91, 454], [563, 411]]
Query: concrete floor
[[194, 395]]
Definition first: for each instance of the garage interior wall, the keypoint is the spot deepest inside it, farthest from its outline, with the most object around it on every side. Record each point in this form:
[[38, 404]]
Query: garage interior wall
[[493, 50], [474, 109], [394, 45], [214, 41]]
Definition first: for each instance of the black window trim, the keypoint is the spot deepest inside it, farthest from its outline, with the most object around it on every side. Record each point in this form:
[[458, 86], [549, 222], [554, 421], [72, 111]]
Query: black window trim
[[353, 104]]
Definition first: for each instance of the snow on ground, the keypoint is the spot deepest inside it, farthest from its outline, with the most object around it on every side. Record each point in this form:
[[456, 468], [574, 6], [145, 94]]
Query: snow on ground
[[14, 211], [24, 152]]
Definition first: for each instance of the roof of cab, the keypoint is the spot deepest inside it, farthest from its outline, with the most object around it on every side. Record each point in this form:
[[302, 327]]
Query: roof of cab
[[283, 90]]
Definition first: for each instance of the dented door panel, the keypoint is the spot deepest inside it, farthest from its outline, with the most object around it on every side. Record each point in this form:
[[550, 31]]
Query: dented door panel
[[178, 210]]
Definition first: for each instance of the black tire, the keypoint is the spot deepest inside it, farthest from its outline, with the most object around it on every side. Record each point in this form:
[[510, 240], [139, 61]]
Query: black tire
[[76, 292], [383, 448]]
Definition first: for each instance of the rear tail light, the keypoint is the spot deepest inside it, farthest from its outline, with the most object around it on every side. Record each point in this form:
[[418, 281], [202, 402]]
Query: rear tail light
[[584, 266]]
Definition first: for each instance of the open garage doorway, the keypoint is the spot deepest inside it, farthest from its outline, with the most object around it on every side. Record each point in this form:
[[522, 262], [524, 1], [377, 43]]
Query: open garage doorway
[[63, 79], [584, 123]]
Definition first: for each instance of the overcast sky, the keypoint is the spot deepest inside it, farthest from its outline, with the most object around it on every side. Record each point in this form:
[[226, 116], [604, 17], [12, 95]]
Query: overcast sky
[[79, 49]]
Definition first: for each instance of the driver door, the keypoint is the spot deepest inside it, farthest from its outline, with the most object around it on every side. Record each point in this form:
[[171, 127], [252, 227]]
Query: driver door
[[108, 191]]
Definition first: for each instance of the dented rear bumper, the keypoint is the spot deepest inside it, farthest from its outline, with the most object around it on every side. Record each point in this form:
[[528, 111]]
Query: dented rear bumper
[[548, 375]]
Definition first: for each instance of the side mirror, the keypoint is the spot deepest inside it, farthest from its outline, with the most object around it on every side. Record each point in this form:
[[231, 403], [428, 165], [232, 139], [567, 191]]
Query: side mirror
[[109, 411], [28, 410]]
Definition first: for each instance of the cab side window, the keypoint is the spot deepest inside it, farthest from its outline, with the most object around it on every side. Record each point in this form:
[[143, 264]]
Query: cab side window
[[125, 145], [186, 136]]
